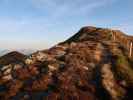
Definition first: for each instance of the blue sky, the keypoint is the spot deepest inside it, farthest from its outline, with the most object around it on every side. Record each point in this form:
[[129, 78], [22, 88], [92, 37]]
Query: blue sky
[[42, 23]]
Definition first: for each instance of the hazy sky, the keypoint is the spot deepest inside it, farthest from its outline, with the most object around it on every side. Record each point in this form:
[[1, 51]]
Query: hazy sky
[[42, 23]]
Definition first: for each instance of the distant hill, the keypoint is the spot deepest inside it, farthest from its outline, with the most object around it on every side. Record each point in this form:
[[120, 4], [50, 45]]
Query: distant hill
[[12, 57], [23, 51]]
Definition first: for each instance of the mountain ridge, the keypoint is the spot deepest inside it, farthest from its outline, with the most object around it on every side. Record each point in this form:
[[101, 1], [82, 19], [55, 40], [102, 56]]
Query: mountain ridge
[[91, 65]]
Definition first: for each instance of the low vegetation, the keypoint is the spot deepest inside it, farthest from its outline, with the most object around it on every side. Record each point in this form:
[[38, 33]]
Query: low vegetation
[[88, 66]]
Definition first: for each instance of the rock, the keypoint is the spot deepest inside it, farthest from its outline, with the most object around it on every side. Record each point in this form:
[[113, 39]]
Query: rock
[[8, 71], [41, 56], [52, 68], [85, 67], [17, 66], [29, 61], [6, 67], [7, 77]]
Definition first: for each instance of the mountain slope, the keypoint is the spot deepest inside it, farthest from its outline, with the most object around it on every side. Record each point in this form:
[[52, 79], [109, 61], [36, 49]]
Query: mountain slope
[[88, 66]]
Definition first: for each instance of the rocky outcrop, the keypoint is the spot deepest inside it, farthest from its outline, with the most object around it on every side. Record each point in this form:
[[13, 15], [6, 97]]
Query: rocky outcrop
[[125, 40]]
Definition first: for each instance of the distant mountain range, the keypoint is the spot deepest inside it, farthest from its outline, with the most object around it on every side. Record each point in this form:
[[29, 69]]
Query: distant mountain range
[[24, 51]]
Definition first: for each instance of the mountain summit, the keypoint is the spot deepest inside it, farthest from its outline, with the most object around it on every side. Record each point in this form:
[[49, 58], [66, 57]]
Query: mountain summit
[[94, 64], [89, 33]]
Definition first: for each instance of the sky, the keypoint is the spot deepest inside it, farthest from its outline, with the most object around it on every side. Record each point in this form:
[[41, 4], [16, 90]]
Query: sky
[[40, 24]]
